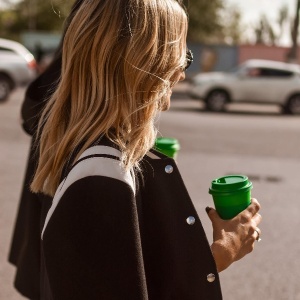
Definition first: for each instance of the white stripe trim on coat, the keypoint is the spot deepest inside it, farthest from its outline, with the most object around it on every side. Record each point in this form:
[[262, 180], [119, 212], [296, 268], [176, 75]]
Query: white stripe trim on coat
[[101, 150], [92, 166], [152, 155]]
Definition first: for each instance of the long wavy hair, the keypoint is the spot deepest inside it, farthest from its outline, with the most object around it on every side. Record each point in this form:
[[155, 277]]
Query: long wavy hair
[[118, 61]]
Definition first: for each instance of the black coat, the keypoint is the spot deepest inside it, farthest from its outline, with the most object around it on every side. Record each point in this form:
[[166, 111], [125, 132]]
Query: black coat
[[25, 244], [176, 256], [185, 257], [104, 239]]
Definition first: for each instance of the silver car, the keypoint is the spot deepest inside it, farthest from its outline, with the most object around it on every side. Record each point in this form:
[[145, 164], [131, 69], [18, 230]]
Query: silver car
[[17, 67], [255, 81]]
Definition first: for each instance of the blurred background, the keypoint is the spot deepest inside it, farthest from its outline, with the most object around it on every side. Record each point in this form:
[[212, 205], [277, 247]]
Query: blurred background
[[237, 112], [264, 27]]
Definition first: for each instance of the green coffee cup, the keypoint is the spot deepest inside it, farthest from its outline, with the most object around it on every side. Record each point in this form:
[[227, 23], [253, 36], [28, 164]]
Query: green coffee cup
[[231, 195], [168, 146]]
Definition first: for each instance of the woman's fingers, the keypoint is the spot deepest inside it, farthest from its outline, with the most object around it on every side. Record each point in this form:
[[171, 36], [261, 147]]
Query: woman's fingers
[[212, 214], [250, 212], [257, 219], [254, 207]]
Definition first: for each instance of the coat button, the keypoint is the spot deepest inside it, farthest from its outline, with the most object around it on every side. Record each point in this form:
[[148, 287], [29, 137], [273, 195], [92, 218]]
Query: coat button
[[169, 169], [211, 277], [191, 220]]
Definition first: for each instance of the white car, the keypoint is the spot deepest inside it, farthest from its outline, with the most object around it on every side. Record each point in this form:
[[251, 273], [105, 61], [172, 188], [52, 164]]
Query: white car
[[255, 81], [17, 67]]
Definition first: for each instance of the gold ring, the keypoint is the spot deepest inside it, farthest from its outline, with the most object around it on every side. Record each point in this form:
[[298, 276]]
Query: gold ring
[[258, 235]]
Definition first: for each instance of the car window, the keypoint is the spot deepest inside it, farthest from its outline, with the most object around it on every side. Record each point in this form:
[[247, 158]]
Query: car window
[[254, 72], [269, 72], [6, 49]]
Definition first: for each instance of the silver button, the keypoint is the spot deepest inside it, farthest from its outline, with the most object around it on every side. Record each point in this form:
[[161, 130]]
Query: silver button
[[169, 169], [211, 277], [191, 220]]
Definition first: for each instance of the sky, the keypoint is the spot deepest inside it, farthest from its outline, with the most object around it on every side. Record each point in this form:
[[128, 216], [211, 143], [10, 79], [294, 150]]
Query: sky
[[251, 11]]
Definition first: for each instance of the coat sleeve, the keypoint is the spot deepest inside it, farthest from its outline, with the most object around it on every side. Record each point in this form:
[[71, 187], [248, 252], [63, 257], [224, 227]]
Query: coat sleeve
[[37, 95], [92, 246]]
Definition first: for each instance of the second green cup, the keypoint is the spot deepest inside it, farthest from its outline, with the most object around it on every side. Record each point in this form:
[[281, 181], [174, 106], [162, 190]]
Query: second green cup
[[168, 146], [231, 195]]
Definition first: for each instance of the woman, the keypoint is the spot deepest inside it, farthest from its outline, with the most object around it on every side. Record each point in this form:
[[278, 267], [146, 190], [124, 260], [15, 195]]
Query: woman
[[121, 224]]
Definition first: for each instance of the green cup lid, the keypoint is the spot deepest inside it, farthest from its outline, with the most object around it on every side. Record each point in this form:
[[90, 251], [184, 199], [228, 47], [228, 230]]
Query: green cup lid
[[230, 184], [167, 143]]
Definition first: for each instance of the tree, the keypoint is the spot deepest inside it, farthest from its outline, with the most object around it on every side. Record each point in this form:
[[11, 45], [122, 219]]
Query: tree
[[292, 55], [204, 19], [270, 33], [209, 21], [231, 25], [283, 19], [213, 22], [33, 15], [264, 32]]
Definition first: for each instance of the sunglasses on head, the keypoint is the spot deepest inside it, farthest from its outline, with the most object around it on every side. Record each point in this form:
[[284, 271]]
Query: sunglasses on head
[[189, 59]]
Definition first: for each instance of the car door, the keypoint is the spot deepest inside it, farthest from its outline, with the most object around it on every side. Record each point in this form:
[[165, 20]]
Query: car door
[[265, 85], [247, 85]]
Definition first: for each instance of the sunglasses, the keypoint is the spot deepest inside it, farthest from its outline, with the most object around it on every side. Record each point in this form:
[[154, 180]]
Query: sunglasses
[[188, 59]]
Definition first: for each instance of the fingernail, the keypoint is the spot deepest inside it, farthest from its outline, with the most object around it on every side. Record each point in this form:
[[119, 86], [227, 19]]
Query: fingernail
[[207, 209]]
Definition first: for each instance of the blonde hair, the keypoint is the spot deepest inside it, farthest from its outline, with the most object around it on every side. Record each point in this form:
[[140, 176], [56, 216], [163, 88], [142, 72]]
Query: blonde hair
[[119, 58]]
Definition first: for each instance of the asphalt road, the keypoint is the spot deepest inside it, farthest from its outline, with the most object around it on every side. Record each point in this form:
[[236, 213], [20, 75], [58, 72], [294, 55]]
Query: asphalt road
[[252, 140]]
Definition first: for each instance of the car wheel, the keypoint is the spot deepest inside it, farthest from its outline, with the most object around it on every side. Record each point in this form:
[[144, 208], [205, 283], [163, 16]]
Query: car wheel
[[293, 105], [217, 100], [5, 88]]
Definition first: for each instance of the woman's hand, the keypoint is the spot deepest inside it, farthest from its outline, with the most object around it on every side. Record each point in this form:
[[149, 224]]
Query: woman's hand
[[235, 238]]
